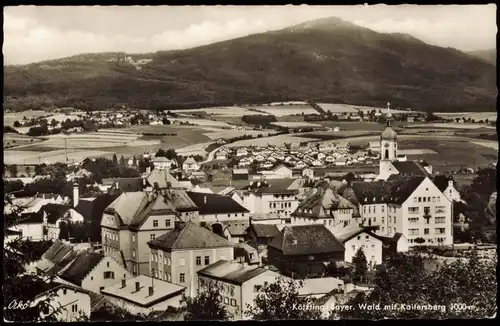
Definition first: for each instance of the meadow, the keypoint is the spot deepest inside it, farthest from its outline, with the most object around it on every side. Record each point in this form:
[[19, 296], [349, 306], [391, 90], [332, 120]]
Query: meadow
[[278, 140], [451, 125], [295, 124], [227, 134], [281, 110], [50, 157], [492, 116], [10, 118], [229, 111]]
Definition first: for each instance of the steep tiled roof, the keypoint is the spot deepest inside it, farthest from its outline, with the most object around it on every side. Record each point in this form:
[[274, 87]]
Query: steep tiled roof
[[306, 240], [265, 230], [55, 212], [216, 204], [81, 266], [58, 256], [366, 193], [31, 218], [411, 168], [127, 205], [191, 236], [236, 230], [321, 202], [273, 186], [163, 178], [348, 233], [125, 184], [401, 187], [231, 272]]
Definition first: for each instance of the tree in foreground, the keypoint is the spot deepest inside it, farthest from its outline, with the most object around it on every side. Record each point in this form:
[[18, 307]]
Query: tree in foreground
[[207, 305], [360, 265], [281, 301], [462, 289]]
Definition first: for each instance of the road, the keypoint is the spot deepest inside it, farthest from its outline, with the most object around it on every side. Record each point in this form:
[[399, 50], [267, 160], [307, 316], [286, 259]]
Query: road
[[210, 156]]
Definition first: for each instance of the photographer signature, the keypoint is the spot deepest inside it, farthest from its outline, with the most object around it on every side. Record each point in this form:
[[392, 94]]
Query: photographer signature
[[19, 305]]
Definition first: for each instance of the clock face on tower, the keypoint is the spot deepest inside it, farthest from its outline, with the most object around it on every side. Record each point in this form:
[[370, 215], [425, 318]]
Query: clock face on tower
[[386, 145]]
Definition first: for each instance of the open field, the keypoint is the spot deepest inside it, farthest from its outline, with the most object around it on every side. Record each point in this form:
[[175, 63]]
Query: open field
[[10, 118], [281, 110], [416, 151], [202, 122], [27, 157], [227, 134], [295, 124], [450, 126], [273, 140], [492, 116], [327, 135], [489, 144], [63, 117], [229, 111], [370, 126], [13, 139], [195, 149]]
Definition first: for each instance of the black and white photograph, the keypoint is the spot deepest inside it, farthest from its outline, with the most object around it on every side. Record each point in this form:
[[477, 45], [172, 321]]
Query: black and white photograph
[[267, 162]]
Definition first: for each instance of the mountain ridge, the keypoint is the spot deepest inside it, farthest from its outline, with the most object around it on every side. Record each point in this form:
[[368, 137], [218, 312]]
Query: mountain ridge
[[326, 60]]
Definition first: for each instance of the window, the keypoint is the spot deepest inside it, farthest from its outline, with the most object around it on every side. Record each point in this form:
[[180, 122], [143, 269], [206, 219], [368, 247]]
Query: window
[[412, 210], [198, 260], [182, 262], [155, 223], [107, 264], [394, 219], [419, 199], [364, 209], [414, 199], [133, 237], [413, 220], [429, 199], [426, 231], [256, 288], [382, 209], [226, 300], [233, 302], [373, 246], [440, 209], [369, 209], [167, 223], [74, 308], [207, 260], [133, 253], [367, 237], [440, 220], [108, 275], [353, 248], [438, 199], [182, 278], [152, 236], [433, 199], [374, 209], [427, 210], [359, 237], [65, 291], [424, 199], [413, 231], [440, 230]]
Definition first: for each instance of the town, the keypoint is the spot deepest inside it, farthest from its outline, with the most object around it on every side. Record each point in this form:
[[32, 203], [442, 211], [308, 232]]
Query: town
[[249, 163], [143, 243]]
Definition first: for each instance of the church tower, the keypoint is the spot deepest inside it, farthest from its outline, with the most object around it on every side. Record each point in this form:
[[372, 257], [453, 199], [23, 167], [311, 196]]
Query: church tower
[[388, 145]]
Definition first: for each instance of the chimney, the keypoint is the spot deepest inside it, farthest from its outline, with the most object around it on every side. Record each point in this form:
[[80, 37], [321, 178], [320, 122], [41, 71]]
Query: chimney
[[137, 286], [75, 194], [151, 291], [124, 283], [205, 199], [179, 225], [116, 185]]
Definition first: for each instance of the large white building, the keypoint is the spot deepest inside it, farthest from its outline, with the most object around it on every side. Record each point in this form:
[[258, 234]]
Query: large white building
[[404, 199]]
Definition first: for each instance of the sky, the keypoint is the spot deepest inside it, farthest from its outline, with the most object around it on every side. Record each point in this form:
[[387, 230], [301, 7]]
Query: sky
[[36, 33]]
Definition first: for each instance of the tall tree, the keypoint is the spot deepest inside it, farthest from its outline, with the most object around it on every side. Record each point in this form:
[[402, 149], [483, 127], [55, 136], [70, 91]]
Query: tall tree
[[458, 290], [207, 305], [281, 301], [122, 161], [115, 159], [360, 265]]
